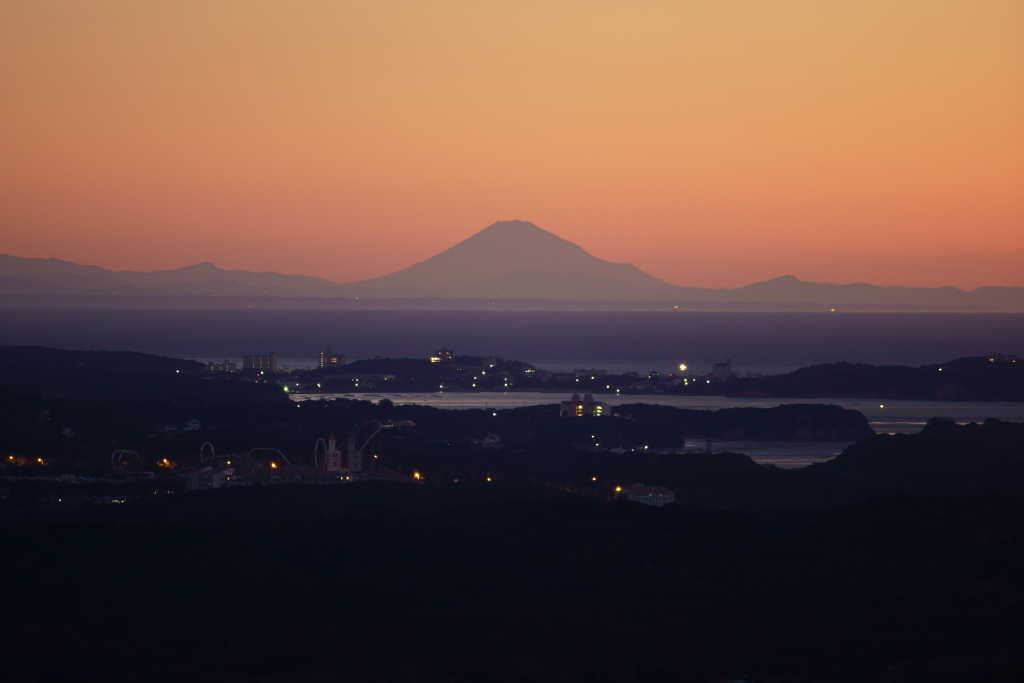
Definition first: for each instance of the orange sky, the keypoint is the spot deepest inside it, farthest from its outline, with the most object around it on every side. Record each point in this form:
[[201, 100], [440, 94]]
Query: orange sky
[[710, 142]]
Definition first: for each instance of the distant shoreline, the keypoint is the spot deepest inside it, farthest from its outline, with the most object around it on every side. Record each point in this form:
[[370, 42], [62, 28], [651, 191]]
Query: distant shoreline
[[57, 302]]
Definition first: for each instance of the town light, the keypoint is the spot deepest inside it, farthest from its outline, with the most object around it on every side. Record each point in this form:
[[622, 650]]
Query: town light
[[416, 475], [618, 489], [683, 367], [273, 465]]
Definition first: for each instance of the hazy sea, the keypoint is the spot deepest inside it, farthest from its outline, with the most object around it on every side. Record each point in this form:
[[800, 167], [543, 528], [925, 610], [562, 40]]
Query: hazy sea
[[615, 341]]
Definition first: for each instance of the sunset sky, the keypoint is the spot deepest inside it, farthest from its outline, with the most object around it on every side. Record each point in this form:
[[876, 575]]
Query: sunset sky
[[710, 142]]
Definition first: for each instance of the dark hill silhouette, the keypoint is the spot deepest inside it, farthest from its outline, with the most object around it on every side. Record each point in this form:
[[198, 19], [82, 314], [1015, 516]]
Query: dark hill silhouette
[[942, 459]]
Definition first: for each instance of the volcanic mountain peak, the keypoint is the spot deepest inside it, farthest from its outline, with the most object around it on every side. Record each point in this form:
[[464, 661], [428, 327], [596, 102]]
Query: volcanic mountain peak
[[521, 239], [517, 230], [203, 266], [516, 260]]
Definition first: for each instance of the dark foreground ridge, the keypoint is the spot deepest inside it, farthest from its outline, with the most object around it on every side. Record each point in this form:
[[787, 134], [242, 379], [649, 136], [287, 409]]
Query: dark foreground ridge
[[376, 582], [488, 545]]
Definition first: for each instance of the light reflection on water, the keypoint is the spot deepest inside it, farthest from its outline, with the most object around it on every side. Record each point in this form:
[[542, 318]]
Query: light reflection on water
[[888, 416]]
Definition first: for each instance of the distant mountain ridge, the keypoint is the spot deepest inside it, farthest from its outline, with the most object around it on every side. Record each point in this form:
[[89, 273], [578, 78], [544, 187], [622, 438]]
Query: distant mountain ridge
[[509, 261], [55, 276]]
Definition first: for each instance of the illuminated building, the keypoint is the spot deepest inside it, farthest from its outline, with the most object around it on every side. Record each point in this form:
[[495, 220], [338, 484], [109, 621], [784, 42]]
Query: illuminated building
[[583, 407], [329, 359], [441, 355], [260, 361]]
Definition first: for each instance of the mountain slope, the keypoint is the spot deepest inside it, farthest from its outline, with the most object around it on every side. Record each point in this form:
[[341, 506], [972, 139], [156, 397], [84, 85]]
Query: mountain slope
[[517, 260]]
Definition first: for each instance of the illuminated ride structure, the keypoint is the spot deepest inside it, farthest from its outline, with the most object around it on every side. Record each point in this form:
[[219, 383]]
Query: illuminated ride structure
[[207, 453], [127, 461], [123, 459], [347, 462]]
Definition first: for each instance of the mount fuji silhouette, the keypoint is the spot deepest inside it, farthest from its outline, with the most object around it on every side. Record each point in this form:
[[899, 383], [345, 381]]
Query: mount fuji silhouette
[[507, 262], [517, 260]]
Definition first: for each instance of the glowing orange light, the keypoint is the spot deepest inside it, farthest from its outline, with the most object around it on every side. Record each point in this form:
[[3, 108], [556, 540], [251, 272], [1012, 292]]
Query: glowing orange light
[[273, 465], [618, 489]]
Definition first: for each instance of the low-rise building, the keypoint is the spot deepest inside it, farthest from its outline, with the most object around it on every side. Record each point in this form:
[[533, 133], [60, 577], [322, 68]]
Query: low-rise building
[[583, 407], [441, 355], [222, 366], [206, 478], [329, 359], [649, 495]]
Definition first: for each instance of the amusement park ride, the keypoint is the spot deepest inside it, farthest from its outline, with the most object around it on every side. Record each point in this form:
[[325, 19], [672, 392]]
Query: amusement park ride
[[327, 457], [331, 461]]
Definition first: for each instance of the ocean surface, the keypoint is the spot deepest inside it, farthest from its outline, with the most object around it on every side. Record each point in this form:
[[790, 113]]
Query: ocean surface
[[758, 343], [888, 417]]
